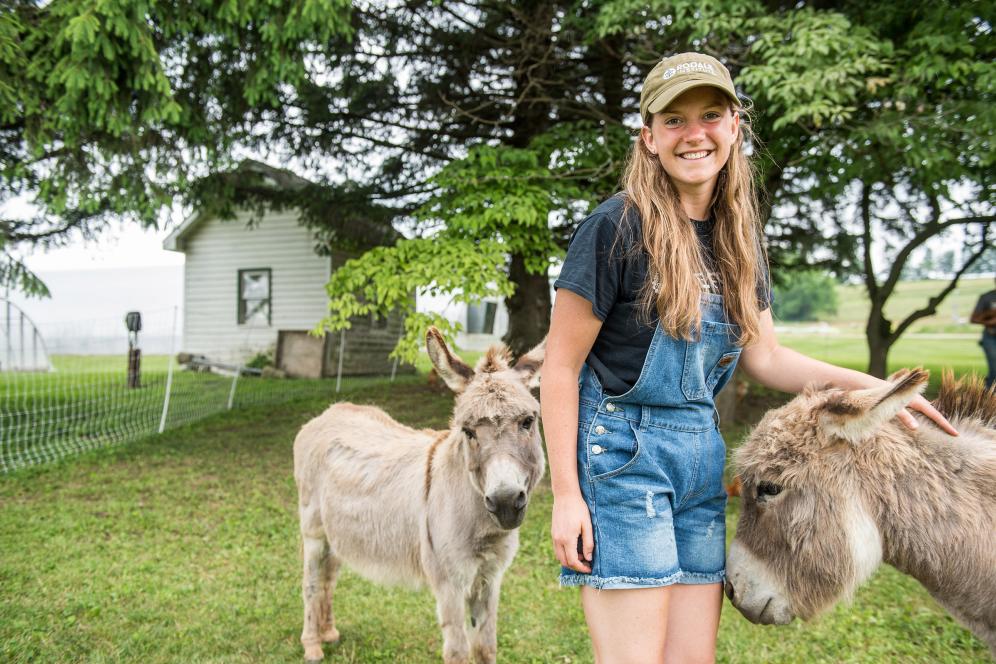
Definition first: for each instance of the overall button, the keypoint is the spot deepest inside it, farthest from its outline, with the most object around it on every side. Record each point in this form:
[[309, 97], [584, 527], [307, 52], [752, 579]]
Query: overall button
[[596, 449], [599, 430], [725, 361], [610, 407]]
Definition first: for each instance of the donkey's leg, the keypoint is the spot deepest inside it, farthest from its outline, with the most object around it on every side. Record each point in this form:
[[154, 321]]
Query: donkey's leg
[[451, 609], [315, 551], [330, 572], [483, 603]]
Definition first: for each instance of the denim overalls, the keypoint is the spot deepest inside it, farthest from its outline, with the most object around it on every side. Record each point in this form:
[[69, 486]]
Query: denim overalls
[[650, 463]]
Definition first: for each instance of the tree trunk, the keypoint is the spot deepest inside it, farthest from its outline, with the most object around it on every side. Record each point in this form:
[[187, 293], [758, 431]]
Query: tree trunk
[[528, 307], [878, 332], [878, 357], [726, 400]]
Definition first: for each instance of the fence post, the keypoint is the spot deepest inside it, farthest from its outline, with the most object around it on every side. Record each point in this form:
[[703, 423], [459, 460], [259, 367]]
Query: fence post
[[342, 351], [235, 380], [169, 374], [10, 343]]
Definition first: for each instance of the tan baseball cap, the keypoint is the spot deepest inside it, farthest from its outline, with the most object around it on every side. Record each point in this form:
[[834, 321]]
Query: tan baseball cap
[[675, 74]]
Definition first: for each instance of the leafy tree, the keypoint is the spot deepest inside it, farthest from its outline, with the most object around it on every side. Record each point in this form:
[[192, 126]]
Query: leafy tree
[[894, 148], [987, 262], [484, 130], [112, 110], [805, 295], [946, 262]]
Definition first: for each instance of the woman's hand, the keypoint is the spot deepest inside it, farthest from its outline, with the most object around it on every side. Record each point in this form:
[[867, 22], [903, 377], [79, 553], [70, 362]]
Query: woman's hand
[[922, 405], [570, 520]]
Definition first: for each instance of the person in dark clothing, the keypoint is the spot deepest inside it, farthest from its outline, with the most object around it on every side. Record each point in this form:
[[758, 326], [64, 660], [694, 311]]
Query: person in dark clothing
[[985, 314]]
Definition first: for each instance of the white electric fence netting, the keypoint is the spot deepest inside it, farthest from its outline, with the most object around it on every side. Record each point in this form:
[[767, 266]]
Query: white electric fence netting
[[77, 385]]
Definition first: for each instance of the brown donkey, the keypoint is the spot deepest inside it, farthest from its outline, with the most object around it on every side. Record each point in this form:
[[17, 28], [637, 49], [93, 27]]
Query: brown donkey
[[833, 485], [440, 508]]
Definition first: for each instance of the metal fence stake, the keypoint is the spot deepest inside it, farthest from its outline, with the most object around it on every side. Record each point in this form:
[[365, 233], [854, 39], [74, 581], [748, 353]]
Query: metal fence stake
[[235, 380], [342, 352], [169, 374]]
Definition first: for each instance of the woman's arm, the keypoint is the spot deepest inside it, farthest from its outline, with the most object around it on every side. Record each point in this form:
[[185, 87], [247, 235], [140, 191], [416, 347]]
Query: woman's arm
[[573, 328], [784, 369], [983, 317]]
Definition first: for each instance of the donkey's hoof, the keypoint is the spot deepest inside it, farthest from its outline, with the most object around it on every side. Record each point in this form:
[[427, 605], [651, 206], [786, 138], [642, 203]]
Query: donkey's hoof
[[330, 635], [313, 654]]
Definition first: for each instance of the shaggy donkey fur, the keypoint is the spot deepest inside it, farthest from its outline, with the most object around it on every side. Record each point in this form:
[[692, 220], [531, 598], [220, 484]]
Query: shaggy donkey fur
[[423, 507], [833, 485]]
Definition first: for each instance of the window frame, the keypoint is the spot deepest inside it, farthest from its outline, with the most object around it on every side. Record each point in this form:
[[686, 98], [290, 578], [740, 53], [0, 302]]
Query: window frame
[[484, 306], [241, 302]]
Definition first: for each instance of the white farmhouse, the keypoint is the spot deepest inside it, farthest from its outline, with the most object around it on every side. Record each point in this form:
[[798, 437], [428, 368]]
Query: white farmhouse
[[249, 288], [241, 284]]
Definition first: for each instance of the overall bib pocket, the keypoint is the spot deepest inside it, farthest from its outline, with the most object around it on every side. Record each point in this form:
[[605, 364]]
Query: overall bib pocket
[[611, 447], [709, 359]]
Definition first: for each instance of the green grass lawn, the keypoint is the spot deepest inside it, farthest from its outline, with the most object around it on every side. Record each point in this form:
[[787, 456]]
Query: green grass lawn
[[184, 548], [962, 355]]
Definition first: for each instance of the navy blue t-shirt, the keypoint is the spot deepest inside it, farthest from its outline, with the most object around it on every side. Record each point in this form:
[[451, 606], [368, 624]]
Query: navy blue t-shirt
[[607, 265]]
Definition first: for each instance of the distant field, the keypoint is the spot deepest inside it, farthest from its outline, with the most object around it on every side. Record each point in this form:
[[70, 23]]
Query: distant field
[[102, 363], [952, 315]]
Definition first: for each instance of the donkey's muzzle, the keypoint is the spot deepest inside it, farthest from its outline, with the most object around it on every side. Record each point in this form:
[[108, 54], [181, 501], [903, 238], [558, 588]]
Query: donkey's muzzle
[[508, 506], [753, 589]]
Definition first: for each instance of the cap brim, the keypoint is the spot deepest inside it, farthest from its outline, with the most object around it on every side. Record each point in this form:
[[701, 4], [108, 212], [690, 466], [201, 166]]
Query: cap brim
[[661, 101]]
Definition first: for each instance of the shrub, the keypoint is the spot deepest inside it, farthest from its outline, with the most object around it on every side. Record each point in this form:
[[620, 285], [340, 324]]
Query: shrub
[[262, 359], [805, 295]]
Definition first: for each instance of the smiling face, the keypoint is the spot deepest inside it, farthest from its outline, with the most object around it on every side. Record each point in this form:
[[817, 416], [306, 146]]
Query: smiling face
[[692, 138]]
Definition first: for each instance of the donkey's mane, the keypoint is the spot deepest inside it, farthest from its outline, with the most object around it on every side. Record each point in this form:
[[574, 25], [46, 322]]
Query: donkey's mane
[[967, 398], [497, 358]]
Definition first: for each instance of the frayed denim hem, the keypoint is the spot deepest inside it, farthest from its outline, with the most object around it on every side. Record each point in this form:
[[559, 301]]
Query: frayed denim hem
[[621, 582], [701, 578]]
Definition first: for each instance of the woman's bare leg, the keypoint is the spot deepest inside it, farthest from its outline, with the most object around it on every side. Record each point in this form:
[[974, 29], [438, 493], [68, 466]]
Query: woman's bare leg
[[674, 624], [692, 624], [626, 625]]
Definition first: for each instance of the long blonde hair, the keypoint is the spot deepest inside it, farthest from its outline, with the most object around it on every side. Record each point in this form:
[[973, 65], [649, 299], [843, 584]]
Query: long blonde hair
[[672, 246]]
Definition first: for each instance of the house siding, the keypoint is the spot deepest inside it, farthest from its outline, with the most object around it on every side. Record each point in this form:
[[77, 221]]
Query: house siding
[[216, 251]]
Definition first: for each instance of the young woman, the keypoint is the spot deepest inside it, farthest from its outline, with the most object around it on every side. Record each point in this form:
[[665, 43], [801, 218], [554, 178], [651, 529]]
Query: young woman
[[663, 290]]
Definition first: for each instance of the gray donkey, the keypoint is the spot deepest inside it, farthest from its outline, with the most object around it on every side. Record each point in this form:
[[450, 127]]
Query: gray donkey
[[440, 508], [833, 485]]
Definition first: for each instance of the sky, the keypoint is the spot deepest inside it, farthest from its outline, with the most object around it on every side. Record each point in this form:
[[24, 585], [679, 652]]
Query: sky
[[122, 246], [95, 283]]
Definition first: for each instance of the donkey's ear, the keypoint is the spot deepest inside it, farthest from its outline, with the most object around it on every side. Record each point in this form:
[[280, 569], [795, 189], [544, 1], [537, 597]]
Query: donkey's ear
[[529, 365], [857, 415], [451, 368]]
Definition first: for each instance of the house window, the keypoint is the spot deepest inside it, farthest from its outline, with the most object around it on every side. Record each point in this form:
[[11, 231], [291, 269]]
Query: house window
[[481, 318], [254, 296]]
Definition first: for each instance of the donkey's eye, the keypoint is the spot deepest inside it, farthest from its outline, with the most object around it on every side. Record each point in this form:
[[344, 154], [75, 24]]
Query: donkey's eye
[[470, 434], [768, 489], [527, 423]]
